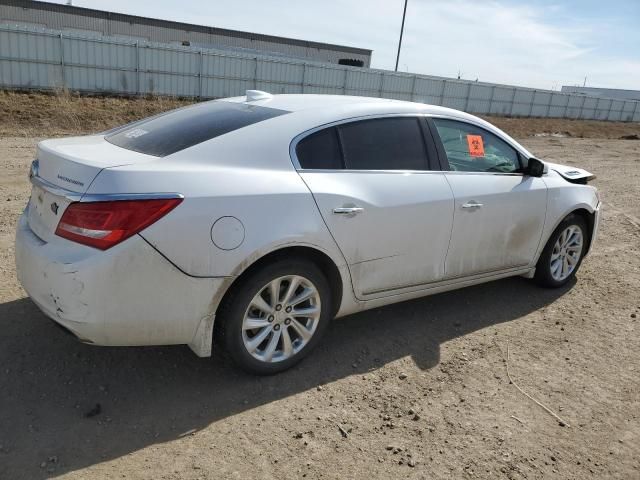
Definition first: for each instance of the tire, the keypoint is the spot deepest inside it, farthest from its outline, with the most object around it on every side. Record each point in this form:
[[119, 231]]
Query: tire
[[550, 269], [264, 350]]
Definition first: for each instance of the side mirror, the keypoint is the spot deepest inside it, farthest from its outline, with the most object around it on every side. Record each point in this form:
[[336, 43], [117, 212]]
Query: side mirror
[[535, 168]]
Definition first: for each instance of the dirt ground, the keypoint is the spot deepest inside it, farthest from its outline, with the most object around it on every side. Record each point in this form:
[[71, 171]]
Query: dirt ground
[[420, 388]]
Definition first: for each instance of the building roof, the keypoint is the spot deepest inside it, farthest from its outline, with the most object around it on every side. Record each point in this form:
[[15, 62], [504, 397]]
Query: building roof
[[123, 17]]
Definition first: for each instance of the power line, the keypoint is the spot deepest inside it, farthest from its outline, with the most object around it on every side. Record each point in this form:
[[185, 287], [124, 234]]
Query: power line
[[404, 13]]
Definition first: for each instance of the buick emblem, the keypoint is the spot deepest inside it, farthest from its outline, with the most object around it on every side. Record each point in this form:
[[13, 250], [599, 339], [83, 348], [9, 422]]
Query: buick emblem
[[54, 208]]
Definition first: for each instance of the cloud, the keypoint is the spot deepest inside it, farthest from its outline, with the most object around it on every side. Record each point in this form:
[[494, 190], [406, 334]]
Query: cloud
[[491, 41]]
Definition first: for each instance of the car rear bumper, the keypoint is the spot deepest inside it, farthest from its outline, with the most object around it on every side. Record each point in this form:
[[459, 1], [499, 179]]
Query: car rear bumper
[[127, 295]]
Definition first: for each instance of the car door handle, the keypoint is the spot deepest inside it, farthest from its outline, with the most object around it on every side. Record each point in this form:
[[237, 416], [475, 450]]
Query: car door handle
[[348, 211], [472, 204]]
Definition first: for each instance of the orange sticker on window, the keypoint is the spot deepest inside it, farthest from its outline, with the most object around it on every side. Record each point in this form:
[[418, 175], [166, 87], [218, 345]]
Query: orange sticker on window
[[476, 148]]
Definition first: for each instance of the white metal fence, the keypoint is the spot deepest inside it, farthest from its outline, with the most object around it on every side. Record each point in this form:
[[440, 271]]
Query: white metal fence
[[46, 59]]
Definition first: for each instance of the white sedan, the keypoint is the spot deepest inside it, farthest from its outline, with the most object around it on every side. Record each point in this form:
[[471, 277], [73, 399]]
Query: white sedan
[[255, 220]]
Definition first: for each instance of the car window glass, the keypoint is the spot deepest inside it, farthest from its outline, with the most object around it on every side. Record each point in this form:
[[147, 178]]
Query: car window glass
[[171, 132], [473, 149], [320, 150], [383, 144]]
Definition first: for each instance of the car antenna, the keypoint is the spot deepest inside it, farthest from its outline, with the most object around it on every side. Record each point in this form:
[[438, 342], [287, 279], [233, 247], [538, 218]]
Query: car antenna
[[253, 95]]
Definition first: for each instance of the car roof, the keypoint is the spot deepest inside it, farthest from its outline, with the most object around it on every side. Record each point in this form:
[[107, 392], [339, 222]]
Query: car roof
[[305, 102]]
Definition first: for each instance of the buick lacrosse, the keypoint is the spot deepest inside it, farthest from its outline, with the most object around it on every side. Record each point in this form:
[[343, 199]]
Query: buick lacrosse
[[253, 221]]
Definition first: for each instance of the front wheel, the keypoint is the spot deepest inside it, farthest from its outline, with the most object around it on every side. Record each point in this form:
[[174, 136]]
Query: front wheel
[[562, 256], [275, 317]]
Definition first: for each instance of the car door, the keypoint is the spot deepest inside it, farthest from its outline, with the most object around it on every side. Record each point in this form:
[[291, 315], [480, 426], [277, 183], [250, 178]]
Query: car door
[[389, 214], [499, 212]]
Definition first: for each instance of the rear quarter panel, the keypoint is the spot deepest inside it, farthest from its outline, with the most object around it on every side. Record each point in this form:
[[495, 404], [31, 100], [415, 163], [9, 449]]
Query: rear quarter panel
[[275, 209]]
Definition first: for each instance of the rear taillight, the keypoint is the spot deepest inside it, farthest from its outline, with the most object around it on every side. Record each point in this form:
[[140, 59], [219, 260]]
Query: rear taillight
[[105, 224]]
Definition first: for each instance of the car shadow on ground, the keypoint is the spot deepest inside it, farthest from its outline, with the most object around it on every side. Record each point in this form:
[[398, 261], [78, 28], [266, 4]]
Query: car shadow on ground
[[50, 384]]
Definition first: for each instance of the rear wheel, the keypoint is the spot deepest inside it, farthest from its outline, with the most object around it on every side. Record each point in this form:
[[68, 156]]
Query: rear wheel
[[275, 317], [562, 256]]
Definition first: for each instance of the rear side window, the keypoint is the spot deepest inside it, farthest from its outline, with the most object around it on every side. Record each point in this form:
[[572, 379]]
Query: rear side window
[[383, 144], [183, 128], [320, 150]]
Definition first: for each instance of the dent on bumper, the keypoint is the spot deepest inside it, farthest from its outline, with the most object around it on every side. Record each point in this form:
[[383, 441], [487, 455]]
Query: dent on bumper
[[127, 295]]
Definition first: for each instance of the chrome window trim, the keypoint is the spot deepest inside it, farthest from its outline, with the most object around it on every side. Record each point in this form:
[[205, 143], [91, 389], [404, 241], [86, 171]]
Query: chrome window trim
[[406, 172], [306, 133], [98, 197], [501, 174], [114, 197], [351, 170]]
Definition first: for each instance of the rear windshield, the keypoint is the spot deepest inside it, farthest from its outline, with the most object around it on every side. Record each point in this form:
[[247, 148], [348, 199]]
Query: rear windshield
[[174, 131]]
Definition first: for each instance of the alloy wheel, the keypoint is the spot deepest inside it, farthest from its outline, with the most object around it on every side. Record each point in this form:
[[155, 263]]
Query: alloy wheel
[[281, 318], [566, 253]]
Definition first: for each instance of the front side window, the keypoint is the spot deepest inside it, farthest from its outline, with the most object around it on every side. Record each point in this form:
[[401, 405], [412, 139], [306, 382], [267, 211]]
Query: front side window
[[473, 149], [383, 144]]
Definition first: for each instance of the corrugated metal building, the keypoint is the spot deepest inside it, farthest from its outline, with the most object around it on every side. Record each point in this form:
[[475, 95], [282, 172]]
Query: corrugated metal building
[[604, 92], [97, 22]]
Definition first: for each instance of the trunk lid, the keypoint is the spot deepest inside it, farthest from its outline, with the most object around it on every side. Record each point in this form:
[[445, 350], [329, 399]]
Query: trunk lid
[[65, 169], [73, 163]]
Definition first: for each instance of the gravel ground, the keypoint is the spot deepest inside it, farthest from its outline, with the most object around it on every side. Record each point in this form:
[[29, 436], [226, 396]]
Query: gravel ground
[[414, 390]]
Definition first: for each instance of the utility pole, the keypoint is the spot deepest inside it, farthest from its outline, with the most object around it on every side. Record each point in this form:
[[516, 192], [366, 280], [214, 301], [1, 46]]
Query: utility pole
[[404, 13]]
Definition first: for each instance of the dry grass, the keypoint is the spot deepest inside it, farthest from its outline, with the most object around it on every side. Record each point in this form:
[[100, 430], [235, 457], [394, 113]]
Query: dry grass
[[63, 113], [527, 127]]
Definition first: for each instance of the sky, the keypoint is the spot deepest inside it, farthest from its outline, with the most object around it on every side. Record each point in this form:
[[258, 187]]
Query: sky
[[543, 43]]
